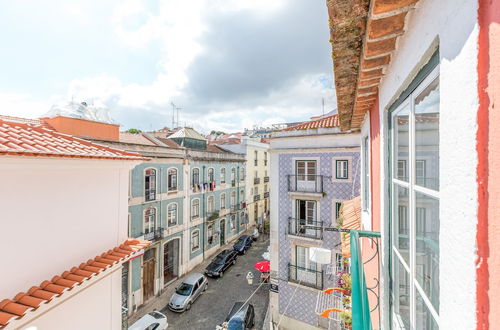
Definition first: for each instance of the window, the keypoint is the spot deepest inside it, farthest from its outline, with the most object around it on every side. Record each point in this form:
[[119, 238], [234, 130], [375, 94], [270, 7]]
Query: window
[[243, 217], [195, 240], [211, 177], [172, 179], [256, 175], [366, 173], [210, 233], [233, 175], [341, 169], [222, 175], [222, 201], [255, 162], [414, 205], [306, 210], [172, 214], [305, 271], [195, 208], [149, 220], [338, 206], [150, 184], [242, 174], [233, 198], [232, 222], [265, 188], [196, 177], [210, 204], [306, 170], [265, 158]]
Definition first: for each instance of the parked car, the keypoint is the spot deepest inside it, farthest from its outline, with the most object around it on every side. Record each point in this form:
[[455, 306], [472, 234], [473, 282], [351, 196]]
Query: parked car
[[151, 321], [186, 294], [241, 317], [255, 234], [221, 262], [242, 244]]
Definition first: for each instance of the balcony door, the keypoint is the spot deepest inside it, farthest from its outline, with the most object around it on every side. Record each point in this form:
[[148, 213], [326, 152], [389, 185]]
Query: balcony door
[[306, 215], [170, 260], [306, 269], [305, 175]]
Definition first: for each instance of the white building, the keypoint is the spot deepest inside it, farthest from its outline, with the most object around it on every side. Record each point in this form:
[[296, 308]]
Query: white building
[[63, 218]]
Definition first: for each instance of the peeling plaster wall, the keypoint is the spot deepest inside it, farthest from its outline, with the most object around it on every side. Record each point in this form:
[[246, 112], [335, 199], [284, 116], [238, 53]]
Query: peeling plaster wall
[[453, 25]]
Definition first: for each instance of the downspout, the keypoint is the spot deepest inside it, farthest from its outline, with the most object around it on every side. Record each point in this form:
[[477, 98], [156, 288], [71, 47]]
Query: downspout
[[204, 211]]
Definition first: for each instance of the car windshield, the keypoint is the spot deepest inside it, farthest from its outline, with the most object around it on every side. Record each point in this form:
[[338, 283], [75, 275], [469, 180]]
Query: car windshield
[[241, 241], [219, 260], [235, 324], [184, 289], [157, 315]]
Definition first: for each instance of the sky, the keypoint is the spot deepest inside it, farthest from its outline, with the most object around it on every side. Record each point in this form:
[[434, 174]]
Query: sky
[[227, 64]]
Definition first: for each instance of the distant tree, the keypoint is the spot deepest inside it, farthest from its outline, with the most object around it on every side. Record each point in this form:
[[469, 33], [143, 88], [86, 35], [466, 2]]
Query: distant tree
[[133, 131], [217, 133]]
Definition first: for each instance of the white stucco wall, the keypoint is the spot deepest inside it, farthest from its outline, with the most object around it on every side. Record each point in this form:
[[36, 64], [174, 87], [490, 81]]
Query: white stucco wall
[[56, 213], [452, 25]]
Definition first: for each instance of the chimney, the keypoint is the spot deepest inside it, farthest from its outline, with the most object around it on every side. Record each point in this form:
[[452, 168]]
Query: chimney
[[84, 128]]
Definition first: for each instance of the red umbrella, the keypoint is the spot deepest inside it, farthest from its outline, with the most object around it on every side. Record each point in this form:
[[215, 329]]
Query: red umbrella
[[263, 266]]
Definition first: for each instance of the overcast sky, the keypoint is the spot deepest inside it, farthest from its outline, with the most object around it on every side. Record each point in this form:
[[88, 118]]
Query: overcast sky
[[228, 64]]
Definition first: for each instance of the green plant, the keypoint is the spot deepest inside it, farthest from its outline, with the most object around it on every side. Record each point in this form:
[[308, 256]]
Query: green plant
[[346, 317], [133, 131], [266, 226], [339, 221]]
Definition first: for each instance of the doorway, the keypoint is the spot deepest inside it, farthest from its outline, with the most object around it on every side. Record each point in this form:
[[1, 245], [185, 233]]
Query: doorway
[[170, 260], [148, 274], [222, 232]]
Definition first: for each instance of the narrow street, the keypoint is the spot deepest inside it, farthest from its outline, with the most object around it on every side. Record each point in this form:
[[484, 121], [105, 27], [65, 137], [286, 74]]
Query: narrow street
[[212, 306]]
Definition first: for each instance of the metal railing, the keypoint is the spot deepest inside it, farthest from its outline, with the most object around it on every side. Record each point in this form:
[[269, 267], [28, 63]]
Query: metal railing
[[266, 179], [266, 194], [256, 198], [150, 195], [256, 180], [304, 228], [305, 183], [154, 235], [304, 276]]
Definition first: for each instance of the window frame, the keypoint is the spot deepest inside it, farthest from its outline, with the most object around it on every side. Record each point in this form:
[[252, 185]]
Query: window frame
[[193, 176], [341, 176], [223, 175], [193, 248], [147, 186], [210, 175], [154, 215], [169, 223], [222, 201], [170, 187], [197, 215]]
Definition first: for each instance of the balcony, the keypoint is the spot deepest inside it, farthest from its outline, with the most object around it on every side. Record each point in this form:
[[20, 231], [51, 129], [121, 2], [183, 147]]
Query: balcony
[[266, 194], [307, 277], [150, 195], [305, 183], [266, 179], [256, 198], [235, 208], [154, 235], [256, 180], [303, 228], [211, 216]]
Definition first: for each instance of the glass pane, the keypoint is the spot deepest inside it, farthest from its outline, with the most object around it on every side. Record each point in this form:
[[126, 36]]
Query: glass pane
[[427, 246], [401, 142], [401, 293], [424, 319], [427, 137], [401, 222]]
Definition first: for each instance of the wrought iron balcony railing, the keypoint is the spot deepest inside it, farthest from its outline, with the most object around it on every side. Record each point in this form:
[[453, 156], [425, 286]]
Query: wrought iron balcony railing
[[305, 183], [150, 195], [256, 180], [154, 235], [304, 276], [266, 179], [305, 228], [256, 198]]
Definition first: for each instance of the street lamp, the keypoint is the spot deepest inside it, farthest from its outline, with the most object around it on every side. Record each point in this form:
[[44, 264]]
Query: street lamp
[[250, 278]]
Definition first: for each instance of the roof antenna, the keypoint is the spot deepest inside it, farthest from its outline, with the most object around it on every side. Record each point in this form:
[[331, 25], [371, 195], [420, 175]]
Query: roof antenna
[[323, 104], [173, 114], [178, 115]]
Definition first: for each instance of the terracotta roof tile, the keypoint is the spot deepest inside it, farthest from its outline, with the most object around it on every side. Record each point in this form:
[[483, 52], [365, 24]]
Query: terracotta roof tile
[[323, 122], [58, 285], [23, 139]]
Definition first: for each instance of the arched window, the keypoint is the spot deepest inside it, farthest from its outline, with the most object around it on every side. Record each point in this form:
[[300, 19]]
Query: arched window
[[195, 240], [222, 175], [222, 201], [232, 222], [233, 175], [211, 177], [242, 174], [149, 220], [210, 204], [195, 177], [172, 179], [150, 184], [243, 217], [172, 214], [195, 208], [233, 198]]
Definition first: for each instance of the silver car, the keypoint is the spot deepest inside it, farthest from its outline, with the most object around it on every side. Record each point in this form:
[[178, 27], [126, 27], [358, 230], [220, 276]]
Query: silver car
[[189, 290]]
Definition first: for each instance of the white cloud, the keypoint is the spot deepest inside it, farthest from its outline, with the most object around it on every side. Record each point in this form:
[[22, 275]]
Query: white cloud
[[22, 105]]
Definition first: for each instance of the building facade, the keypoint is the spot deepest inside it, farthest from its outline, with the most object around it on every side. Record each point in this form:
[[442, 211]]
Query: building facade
[[423, 99], [315, 168]]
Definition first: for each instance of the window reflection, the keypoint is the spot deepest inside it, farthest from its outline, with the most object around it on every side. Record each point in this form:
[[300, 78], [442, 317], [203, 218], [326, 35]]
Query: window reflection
[[401, 223], [402, 294], [401, 142], [424, 319]]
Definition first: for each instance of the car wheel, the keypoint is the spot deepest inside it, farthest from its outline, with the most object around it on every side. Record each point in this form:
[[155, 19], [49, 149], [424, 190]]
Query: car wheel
[[188, 307]]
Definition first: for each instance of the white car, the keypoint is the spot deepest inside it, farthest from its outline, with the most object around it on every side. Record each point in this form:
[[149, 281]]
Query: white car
[[151, 321]]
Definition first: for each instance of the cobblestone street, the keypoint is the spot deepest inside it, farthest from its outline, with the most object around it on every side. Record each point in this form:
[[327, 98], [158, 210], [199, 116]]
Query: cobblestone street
[[213, 305]]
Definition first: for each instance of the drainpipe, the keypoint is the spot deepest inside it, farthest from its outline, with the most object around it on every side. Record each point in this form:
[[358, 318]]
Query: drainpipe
[[204, 211]]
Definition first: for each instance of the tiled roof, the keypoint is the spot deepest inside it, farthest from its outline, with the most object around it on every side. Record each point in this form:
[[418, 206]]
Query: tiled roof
[[351, 219], [30, 140], [135, 138], [37, 122], [26, 302], [187, 132], [324, 122], [168, 142]]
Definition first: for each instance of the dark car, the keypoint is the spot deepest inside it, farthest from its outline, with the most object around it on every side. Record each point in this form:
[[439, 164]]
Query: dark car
[[241, 317], [242, 244], [221, 262]]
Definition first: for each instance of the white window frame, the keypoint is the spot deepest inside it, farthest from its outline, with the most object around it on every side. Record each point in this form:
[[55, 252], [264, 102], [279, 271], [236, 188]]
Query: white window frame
[[149, 227], [146, 199], [193, 215], [210, 204], [192, 176], [169, 215], [232, 222], [212, 171], [171, 188], [193, 248], [223, 201], [223, 175], [342, 169]]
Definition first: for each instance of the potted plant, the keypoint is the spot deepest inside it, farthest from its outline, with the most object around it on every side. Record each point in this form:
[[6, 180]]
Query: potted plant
[[346, 318]]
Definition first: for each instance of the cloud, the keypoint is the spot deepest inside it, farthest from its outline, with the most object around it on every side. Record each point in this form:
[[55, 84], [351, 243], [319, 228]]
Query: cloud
[[229, 64]]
